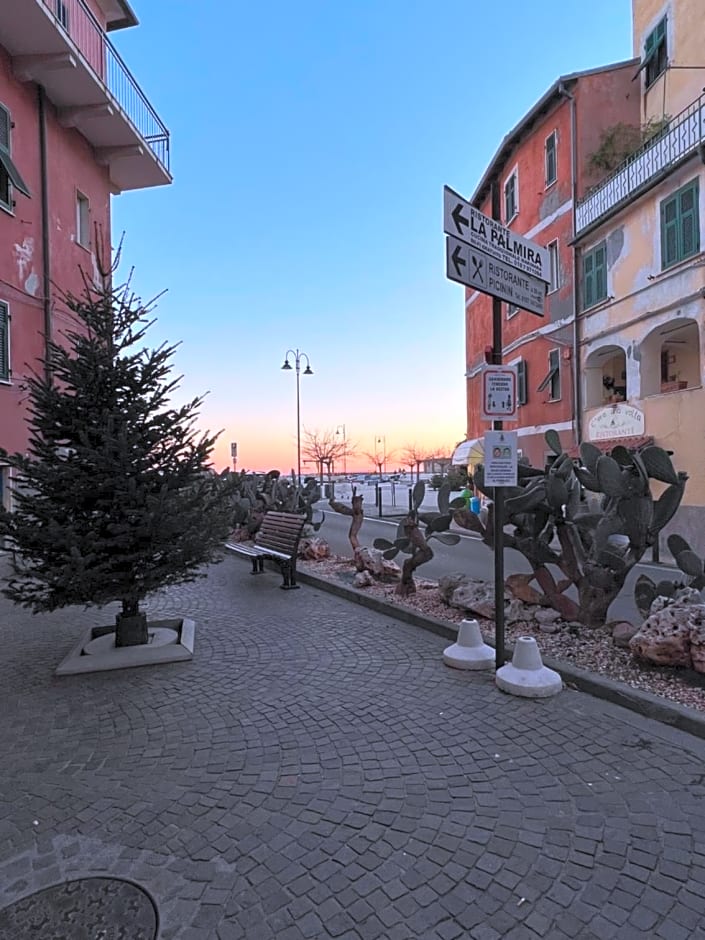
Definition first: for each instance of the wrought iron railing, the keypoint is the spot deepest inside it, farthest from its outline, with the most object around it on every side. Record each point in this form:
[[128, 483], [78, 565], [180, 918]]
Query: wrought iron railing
[[682, 135], [76, 19]]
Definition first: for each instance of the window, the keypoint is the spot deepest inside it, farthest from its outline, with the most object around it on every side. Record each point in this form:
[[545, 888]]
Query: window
[[655, 53], [680, 225], [553, 378], [511, 200], [554, 271], [512, 311], [522, 385], [4, 342], [83, 228], [551, 165], [594, 275], [62, 14], [9, 174]]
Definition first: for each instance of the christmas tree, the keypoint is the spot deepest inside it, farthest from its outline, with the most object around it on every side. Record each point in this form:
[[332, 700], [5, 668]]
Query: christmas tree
[[115, 496]]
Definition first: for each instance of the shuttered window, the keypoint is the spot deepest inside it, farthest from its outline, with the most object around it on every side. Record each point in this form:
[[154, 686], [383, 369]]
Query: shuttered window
[[655, 53], [680, 225], [511, 201], [9, 174], [551, 164], [4, 342], [522, 383], [594, 275]]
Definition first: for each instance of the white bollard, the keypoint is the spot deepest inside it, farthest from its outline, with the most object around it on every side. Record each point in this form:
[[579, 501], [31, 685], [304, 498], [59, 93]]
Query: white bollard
[[526, 674], [469, 651]]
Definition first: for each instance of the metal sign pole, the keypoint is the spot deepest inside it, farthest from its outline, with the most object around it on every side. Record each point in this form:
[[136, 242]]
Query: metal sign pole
[[498, 531]]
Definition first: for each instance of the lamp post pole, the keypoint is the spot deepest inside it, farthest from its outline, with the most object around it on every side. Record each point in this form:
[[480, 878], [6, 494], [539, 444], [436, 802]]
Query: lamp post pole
[[345, 456], [298, 356], [383, 441]]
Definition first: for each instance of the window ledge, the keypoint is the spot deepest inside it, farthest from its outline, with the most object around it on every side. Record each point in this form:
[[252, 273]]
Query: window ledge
[[697, 258], [598, 305]]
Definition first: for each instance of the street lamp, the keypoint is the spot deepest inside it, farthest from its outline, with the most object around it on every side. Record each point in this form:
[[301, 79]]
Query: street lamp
[[298, 356], [345, 455]]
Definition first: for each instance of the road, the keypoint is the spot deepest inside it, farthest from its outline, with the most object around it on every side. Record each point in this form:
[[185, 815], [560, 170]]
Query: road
[[469, 556]]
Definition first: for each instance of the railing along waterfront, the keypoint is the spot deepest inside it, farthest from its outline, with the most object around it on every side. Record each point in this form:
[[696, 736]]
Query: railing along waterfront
[[682, 135], [76, 19]]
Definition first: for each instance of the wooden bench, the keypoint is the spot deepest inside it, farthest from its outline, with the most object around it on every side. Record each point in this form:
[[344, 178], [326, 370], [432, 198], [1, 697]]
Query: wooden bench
[[277, 539]]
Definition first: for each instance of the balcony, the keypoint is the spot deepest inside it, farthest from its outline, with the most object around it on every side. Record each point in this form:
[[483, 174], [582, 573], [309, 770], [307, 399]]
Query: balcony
[[682, 138], [60, 45]]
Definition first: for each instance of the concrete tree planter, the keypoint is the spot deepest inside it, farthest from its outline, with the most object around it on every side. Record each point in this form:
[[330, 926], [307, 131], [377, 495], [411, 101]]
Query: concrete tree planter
[[170, 641]]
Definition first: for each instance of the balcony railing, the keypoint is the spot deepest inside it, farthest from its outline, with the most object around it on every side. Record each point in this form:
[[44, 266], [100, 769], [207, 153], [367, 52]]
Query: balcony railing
[[683, 135], [75, 18]]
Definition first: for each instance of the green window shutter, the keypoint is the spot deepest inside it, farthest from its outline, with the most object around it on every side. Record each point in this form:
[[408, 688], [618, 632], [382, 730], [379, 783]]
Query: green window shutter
[[522, 384], [669, 232], [680, 225], [551, 159], [588, 280], [690, 223], [4, 342], [4, 129], [600, 273]]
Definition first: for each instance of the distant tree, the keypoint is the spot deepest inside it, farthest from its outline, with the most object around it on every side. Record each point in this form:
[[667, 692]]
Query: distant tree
[[324, 448], [115, 496], [412, 456]]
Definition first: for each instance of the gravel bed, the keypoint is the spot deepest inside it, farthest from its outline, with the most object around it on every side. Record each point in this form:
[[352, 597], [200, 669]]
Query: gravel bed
[[591, 650]]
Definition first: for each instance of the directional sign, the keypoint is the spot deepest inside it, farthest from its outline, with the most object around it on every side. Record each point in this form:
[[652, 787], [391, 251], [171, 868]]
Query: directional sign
[[499, 393], [476, 269], [463, 221]]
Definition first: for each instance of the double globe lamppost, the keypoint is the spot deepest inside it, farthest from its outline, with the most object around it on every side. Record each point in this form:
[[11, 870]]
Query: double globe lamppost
[[298, 356]]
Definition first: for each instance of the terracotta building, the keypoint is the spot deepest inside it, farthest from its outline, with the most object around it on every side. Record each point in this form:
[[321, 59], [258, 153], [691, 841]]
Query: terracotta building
[[75, 129], [542, 167], [641, 261]]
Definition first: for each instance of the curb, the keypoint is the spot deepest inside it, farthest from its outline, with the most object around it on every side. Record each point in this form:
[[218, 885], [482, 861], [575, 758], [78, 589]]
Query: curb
[[618, 693]]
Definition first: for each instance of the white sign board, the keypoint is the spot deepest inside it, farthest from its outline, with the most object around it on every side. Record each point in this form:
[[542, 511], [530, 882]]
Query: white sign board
[[474, 268], [461, 220], [499, 393], [618, 420], [500, 458]]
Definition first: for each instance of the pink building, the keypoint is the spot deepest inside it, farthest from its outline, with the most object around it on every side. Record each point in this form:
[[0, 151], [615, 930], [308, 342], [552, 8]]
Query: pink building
[[75, 129], [541, 167]]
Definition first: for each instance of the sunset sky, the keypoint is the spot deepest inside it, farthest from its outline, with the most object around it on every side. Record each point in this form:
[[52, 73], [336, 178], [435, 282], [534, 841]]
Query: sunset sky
[[310, 146]]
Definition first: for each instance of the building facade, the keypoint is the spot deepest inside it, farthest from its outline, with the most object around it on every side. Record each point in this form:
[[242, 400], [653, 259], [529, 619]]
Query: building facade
[[75, 129], [542, 166], [641, 304]]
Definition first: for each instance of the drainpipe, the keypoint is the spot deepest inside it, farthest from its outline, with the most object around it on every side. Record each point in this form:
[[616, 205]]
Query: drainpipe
[[577, 396], [46, 244]]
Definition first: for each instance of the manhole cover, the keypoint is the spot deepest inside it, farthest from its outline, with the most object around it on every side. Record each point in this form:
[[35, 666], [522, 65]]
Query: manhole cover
[[86, 909]]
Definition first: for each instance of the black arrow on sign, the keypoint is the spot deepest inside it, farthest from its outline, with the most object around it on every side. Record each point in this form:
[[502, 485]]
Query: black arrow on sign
[[457, 260], [458, 218]]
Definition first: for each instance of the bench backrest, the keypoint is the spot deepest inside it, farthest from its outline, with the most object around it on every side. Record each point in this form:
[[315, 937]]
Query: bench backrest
[[280, 531]]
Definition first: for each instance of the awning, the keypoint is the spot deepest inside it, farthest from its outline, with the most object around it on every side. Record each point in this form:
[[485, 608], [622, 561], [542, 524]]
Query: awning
[[631, 443], [469, 453]]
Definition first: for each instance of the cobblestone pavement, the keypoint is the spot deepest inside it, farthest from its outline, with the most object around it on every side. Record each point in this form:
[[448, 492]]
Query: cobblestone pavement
[[316, 771]]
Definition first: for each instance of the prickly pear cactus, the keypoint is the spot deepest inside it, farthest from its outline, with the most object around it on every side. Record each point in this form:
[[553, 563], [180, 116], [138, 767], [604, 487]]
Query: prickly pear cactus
[[413, 541], [646, 591], [254, 494], [594, 549]]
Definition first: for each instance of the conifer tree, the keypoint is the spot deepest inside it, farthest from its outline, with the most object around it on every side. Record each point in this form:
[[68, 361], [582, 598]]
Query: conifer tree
[[115, 497]]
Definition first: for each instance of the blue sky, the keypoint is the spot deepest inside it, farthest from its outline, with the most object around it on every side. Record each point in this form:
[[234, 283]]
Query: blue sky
[[310, 146]]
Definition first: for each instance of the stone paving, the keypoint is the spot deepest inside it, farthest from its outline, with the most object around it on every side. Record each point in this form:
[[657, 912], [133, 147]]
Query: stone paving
[[317, 771]]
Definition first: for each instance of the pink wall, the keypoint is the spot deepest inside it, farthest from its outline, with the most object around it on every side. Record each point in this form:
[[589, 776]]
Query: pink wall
[[72, 167]]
